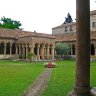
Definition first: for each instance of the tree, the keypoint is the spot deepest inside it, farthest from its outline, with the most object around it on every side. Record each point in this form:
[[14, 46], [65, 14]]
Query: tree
[[9, 23], [68, 19], [62, 49], [30, 56]]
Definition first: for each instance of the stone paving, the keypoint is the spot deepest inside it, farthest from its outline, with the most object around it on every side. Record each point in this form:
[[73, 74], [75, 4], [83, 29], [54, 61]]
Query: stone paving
[[40, 84]]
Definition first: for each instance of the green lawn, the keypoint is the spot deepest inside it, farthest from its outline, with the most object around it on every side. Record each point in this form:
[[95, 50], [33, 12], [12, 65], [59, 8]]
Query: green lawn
[[63, 78], [16, 76]]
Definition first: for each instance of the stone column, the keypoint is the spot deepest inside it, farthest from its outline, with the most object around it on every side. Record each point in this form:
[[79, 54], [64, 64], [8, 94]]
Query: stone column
[[47, 52], [38, 51], [82, 86], [52, 53], [71, 50], [43, 51], [32, 48], [95, 49], [16, 49], [23, 51], [19, 49], [26, 51], [5, 49], [10, 49]]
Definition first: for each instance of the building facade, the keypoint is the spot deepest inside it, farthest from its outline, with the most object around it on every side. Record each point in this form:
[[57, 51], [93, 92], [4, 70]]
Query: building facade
[[67, 33], [15, 43]]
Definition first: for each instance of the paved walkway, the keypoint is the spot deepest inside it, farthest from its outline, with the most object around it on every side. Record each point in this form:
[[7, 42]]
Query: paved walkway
[[40, 84]]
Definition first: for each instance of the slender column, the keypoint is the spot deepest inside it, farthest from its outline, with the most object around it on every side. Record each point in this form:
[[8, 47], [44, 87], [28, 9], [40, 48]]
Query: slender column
[[43, 51], [52, 53], [16, 49], [10, 49], [19, 49], [5, 49], [71, 50], [82, 86], [26, 51], [95, 49], [47, 52], [38, 55], [32, 48]]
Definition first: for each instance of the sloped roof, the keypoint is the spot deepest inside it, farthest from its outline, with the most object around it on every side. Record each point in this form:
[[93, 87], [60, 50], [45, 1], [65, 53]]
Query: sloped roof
[[69, 37], [18, 33]]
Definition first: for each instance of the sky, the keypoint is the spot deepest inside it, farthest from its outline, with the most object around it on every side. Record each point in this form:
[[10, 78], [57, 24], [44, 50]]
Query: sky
[[40, 15]]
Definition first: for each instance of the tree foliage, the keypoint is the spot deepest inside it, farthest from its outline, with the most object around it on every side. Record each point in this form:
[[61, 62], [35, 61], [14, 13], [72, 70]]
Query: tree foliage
[[9, 23], [68, 19], [62, 49]]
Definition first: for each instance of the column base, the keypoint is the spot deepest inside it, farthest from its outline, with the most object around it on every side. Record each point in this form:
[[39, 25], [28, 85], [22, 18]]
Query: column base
[[92, 93]]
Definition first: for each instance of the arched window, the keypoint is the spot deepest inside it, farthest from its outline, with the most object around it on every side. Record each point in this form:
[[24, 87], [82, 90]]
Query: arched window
[[92, 49], [13, 49], [8, 48], [1, 48]]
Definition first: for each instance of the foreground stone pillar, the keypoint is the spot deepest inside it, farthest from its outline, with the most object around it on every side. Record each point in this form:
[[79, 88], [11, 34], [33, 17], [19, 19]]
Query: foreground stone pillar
[[82, 86]]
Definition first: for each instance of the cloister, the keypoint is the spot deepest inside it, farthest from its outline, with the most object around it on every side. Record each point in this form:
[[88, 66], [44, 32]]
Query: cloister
[[41, 46]]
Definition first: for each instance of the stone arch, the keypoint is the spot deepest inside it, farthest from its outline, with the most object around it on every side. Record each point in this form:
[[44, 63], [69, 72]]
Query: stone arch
[[35, 48], [42, 51], [2, 48], [8, 45], [73, 49], [92, 49], [14, 48]]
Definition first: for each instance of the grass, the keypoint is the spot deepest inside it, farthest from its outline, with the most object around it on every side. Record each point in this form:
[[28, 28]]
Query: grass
[[16, 76], [63, 78]]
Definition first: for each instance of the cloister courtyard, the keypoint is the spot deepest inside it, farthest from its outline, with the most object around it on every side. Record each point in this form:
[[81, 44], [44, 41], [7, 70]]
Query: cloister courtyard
[[19, 75]]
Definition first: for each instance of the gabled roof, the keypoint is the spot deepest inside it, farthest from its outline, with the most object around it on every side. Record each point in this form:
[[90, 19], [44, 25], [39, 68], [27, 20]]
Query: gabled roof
[[18, 33]]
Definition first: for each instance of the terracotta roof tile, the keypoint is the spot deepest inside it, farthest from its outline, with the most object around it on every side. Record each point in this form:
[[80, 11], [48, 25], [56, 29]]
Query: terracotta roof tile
[[18, 33], [69, 37]]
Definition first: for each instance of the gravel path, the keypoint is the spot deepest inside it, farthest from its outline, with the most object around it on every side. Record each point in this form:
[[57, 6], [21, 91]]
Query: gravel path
[[40, 84]]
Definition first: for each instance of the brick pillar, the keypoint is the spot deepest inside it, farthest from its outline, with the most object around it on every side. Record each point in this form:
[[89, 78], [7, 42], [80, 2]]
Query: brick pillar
[[82, 86]]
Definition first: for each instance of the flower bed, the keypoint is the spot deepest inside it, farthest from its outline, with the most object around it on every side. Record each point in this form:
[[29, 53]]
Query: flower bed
[[50, 65]]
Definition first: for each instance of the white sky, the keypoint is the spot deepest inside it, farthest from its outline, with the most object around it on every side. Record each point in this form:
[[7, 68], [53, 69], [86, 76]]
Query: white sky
[[40, 15]]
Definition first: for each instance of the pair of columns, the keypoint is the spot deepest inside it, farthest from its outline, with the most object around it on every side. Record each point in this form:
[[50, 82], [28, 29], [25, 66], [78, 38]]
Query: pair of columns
[[43, 51]]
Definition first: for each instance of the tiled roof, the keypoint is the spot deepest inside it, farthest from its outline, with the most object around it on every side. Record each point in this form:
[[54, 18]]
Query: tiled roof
[[18, 33], [69, 37], [93, 12], [64, 25]]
